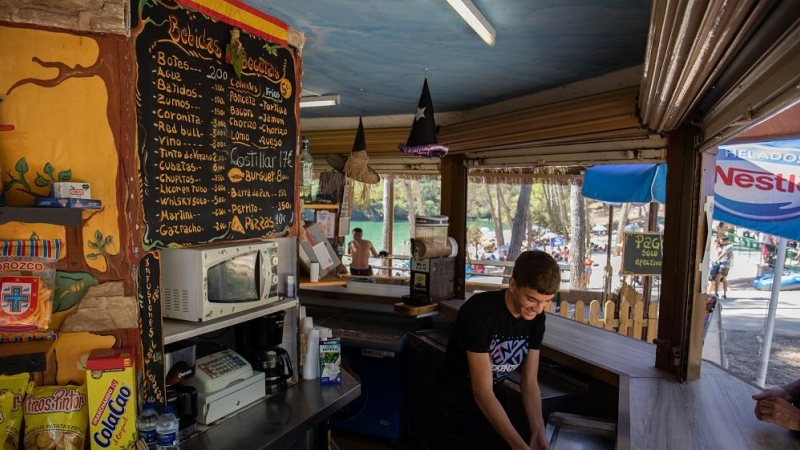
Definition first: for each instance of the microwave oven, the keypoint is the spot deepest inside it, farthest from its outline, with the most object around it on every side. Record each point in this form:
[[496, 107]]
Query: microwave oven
[[208, 282]]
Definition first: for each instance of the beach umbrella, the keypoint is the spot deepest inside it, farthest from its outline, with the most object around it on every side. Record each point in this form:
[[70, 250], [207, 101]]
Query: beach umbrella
[[626, 183]]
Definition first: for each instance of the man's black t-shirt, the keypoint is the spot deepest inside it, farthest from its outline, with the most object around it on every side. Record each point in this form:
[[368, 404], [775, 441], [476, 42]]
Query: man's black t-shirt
[[484, 325]]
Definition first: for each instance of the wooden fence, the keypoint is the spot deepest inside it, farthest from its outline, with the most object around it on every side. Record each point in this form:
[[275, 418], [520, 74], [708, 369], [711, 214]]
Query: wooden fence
[[629, 320]]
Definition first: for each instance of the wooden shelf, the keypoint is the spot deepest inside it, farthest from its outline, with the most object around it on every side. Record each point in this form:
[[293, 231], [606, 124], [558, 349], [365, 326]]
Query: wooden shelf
[[178, 330], [326, 206], [68, 217], [416, 311], [25, 356], [328, 280]]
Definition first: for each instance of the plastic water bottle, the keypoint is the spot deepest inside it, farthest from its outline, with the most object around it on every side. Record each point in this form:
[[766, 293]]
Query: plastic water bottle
[[146, 424], [167, 429]]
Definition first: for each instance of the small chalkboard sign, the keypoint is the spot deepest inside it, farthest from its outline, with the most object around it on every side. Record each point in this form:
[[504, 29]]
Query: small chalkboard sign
[[642, 253]]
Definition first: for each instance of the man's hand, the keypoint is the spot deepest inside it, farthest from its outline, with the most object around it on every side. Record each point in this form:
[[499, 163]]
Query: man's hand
[[778, 392], [539, 441], [778, 411]]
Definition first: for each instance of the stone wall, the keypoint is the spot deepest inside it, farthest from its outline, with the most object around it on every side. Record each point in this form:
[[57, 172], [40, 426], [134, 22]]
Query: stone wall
[[101, 16]]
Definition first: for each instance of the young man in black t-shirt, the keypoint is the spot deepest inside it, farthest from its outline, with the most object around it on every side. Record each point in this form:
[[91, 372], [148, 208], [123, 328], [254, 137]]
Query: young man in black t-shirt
[[494, 334]]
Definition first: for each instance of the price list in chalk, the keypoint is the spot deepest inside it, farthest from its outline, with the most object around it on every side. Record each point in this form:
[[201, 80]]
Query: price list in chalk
[[217, 148]]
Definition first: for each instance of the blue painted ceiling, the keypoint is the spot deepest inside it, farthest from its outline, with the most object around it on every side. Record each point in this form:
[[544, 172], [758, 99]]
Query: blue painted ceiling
[[374, 52]]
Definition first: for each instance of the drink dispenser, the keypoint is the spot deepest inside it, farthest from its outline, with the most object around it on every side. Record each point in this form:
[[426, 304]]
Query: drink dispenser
[[430, 238], [432, 261]]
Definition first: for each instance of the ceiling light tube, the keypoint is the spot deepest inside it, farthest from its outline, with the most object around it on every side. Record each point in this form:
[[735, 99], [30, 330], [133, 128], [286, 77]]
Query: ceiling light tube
[[322, 100], [467, 10]]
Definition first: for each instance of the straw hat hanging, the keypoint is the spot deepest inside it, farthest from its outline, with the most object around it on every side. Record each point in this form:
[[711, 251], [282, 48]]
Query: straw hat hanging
[[355, 165]]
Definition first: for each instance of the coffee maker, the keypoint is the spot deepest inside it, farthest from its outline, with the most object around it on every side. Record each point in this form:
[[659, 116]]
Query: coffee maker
[[179, 361], [260, 343]]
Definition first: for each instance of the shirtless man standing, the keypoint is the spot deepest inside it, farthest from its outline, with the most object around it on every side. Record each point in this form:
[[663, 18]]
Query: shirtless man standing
[[360, 251]]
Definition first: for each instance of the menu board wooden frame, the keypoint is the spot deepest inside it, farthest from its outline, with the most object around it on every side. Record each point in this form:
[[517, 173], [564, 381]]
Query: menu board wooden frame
[[217, 129]]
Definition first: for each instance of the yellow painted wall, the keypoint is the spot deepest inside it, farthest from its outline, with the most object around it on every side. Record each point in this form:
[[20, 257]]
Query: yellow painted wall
[[64, 124]]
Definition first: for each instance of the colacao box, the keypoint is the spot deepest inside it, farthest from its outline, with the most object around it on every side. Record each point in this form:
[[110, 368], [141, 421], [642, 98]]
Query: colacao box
[[83, 203], [330, 360], [111, 387], [70, 190]]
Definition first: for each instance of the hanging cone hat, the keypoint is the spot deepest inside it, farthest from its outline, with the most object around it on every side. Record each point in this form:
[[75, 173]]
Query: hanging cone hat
[[354, 165], [422, 140]]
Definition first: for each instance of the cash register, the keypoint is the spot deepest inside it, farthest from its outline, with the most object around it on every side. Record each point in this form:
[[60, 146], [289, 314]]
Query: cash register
[[225, 383]]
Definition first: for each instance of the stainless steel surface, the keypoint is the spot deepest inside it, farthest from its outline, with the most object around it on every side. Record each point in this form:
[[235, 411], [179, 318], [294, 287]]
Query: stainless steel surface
[[279, 422]]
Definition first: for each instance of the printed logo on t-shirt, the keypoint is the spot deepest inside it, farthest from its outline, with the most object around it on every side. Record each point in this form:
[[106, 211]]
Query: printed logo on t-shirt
[[506, 355]]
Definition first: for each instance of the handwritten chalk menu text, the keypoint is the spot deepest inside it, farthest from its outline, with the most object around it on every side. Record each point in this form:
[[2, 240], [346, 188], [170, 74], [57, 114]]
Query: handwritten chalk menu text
[[216, 149], [642, 253]]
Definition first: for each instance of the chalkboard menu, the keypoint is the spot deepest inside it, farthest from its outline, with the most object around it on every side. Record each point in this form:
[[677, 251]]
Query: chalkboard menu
[[642, 253], [217, 128]]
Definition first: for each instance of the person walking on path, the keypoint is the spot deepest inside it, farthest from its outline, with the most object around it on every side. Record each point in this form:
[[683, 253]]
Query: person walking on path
[[721, 266], [587, 270]]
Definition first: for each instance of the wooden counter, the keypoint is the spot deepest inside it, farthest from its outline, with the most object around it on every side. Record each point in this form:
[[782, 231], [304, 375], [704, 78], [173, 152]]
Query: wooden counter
[[655, 411]]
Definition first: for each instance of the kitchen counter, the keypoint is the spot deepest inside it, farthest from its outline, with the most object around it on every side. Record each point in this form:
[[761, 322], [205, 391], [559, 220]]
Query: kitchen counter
[[281, 421]]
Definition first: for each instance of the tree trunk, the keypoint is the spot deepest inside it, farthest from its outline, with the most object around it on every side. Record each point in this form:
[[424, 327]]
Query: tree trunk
[[410, 207], [495, 217], [518, 224], [577, 251], [548, 201], [388, 212], [418, 196], [623, 221], [563, 215], [500, 208]]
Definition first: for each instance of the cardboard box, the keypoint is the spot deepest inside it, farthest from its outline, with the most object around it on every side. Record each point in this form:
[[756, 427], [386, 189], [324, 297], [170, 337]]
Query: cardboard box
[[315, 248], [111, 388], [80, 203], [70, 190]]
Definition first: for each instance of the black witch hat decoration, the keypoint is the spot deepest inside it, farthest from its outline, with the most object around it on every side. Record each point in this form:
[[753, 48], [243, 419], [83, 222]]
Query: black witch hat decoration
[[355, 165], [422, 140]]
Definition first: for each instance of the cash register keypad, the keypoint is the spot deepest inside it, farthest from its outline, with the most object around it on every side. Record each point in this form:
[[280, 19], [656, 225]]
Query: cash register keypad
[[221, 363]]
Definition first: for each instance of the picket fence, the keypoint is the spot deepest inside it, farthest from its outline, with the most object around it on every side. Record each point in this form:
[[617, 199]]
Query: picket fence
[[628, 321]]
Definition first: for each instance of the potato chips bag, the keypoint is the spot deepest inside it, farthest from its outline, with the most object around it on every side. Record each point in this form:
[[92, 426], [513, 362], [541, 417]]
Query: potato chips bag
[[6, 402], [13, 389], [56, 418], [27, 283]]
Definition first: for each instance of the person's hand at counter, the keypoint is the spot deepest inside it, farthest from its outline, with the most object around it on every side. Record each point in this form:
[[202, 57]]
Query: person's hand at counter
[[774, 405], [778, 411]]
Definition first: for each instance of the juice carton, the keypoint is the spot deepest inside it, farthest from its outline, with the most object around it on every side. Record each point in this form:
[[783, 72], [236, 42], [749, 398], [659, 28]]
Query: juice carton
[[330, 360], [111, 387]]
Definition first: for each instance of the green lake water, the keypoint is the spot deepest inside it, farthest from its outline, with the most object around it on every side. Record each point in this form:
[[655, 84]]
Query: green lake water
[[373, 231]]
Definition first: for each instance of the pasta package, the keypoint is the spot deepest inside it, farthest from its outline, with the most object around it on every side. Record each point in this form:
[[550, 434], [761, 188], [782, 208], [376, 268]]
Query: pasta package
[[13, 389], [56, 418], [27, 283]]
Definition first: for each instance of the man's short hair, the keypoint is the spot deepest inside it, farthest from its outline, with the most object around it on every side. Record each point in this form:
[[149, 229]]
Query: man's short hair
[[537, 270], [357, 230]]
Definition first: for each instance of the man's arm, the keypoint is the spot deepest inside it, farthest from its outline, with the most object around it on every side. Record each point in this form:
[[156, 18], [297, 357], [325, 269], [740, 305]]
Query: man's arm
[[372, 250], [480, 372], [532, 399]]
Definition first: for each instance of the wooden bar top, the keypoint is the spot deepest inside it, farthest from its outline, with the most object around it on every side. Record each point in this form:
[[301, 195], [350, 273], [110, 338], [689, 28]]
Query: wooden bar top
[[655, 411]]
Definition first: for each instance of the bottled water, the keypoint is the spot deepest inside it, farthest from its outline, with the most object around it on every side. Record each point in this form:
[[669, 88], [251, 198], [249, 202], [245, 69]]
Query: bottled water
[[167, 429], [146, 424]]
